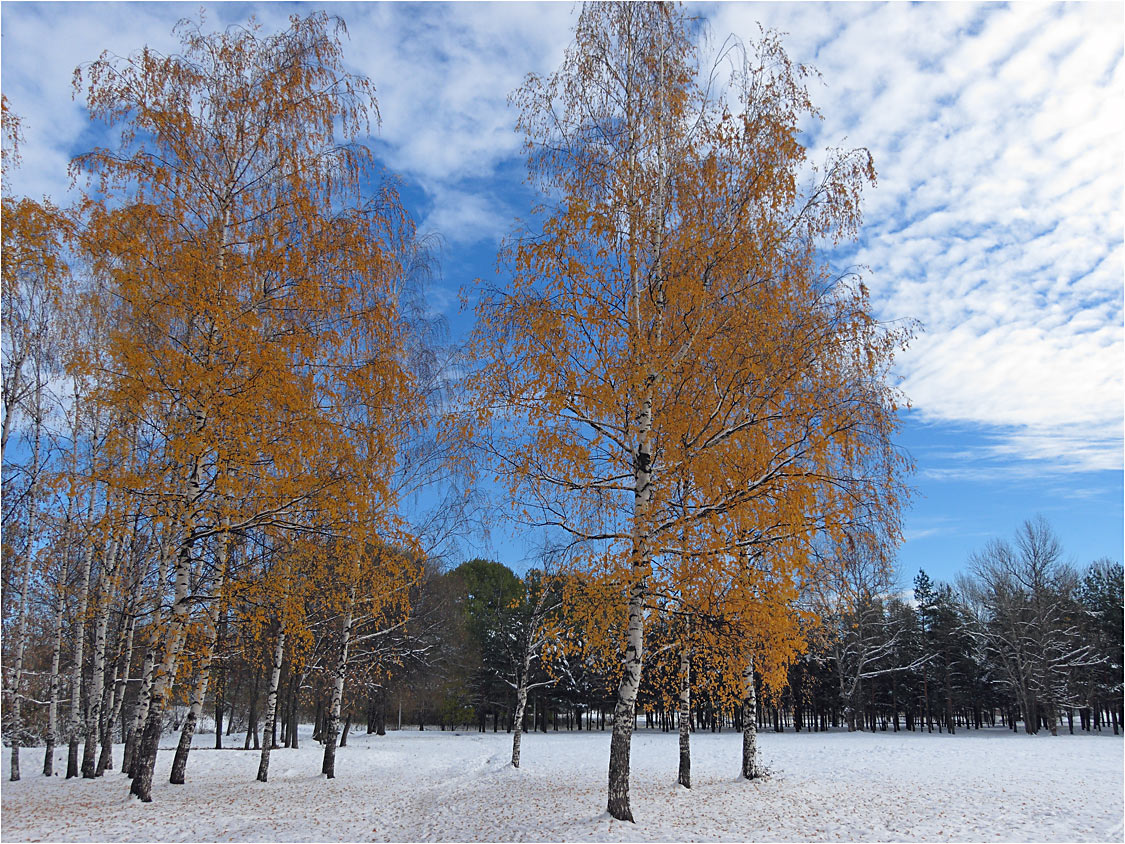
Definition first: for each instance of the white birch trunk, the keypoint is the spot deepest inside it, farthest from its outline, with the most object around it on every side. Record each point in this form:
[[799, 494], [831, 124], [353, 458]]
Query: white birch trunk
[[332, 733], [75, 721], [9, 409], [53, 700], [121, 683], [187, 732], [271, 708], [165, 670], [15, 696], [521, 707], [97, 678], [140, 715], [750, 769], [140, 710], [621, 740]]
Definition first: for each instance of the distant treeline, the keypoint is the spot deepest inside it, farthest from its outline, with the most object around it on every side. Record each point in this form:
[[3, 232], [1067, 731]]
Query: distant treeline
[[1022, 640]]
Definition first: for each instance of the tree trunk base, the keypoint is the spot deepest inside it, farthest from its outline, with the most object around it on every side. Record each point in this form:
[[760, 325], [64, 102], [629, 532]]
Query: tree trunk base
[[619, 745], [145, 761], [179, 763], [89, 754], [72, 759], [129, 755], [105, 758]]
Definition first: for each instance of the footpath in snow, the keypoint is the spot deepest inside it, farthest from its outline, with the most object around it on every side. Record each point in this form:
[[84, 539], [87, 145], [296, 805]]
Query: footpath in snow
[[991, 785]]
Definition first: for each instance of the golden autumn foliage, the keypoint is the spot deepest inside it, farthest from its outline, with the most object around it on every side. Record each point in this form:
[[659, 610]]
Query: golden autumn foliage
[[254, 276]]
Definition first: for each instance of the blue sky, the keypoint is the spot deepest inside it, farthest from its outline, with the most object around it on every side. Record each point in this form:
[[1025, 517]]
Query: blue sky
[[997, 131]]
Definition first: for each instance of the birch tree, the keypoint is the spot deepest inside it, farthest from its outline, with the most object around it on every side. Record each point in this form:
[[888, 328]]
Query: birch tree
[[203, 665], [269, 600], [531, 632], [673, 322], [607, 315]]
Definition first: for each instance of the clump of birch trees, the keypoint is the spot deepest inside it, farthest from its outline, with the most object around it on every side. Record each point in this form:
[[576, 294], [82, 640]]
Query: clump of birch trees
[[214, 365]]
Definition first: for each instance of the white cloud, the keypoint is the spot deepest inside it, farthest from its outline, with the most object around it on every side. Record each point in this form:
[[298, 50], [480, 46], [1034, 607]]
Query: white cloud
[[466, 216], [997, 132], [443, 74], [914, 534], [41, 49]]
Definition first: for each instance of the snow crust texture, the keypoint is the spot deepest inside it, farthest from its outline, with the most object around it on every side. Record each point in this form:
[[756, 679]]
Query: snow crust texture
[[990, 785]]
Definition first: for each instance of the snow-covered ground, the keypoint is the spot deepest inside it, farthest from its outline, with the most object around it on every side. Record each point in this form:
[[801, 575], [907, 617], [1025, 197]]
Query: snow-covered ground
[[438, 786]]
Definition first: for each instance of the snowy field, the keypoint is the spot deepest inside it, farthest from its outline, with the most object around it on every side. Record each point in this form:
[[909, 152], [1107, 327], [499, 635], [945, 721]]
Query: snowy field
[[435, 786]]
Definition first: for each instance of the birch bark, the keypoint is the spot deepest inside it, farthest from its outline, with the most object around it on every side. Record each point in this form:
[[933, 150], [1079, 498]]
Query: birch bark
[[621, 739], [750, 769], [165, 671], [328, 768], [140, 715], [75, 721], [97, 677], [16, 680], [521, 707], [140, 710], [121, 681], [53, 700], [271, 708], [187, 731]]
